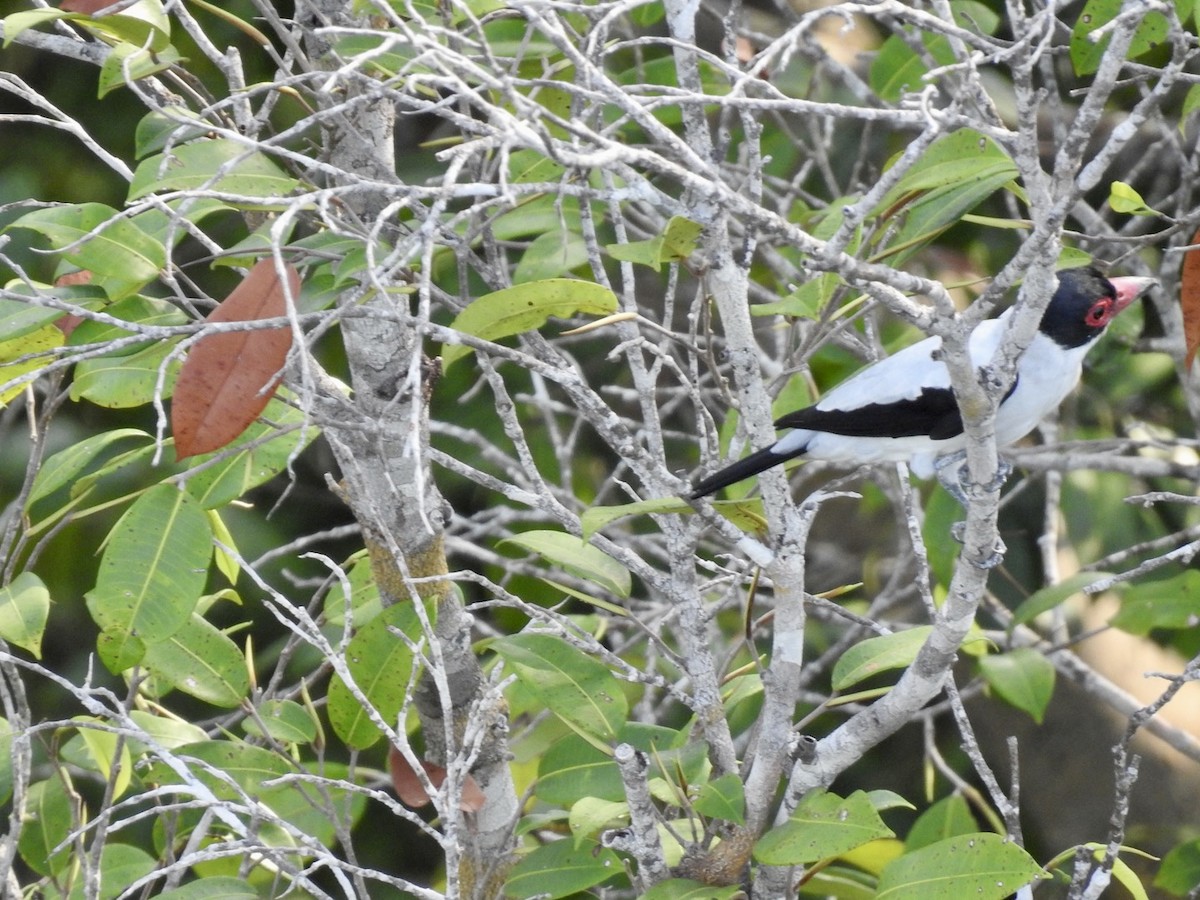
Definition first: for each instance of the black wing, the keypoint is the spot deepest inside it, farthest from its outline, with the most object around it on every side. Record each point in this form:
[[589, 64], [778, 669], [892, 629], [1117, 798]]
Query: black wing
[[932, 413]]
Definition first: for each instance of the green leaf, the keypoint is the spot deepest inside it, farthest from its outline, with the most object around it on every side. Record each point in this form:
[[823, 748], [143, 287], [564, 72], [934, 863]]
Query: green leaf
[[947, 818], [591, 814], [170, 125], [24, 608], [1128, 879], [941, 512], [200, 660], [595, 519], [144, 311], [64, 467], [1180, 869], [1022, 677], [48, 822], [981, 866], [685, 888], [107, 753], [883, 799], [119, 649], [878, 654], [574, 767], [645, 253], [574, 556], [526, 307], [214, 165], [250, 460], [219, 888], [953, 176], [120, 866], [382, 667], [550, 255], [246, 769], [560, 869], [22, 316], [166, 732], [1191, 102], [898, 69], [18, 22], [575, 687], [125, 382], [1124, 199], [283, 720], [34, 350], [824, 826], [1172, 603], [1086, 53], [128, 63], [120, 256], [723, 798], [143, 23], [680, 239], [807, 301], [1054, 595], [365, 603], [154, 567]]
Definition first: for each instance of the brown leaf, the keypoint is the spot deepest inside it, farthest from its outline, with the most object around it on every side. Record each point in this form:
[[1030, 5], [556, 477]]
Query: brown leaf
[[412, 794], [228, 378], [87, 7], [67, 324], [1189, 301]]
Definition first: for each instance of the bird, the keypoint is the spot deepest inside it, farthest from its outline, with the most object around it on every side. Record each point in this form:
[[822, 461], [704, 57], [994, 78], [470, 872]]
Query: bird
[[902, 408]]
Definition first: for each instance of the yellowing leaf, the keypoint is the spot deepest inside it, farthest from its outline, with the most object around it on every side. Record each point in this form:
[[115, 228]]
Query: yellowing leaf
[[27, 348]]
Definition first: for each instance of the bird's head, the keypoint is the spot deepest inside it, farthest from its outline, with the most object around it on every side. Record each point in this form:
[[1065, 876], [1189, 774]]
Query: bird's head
[[1086, 302]]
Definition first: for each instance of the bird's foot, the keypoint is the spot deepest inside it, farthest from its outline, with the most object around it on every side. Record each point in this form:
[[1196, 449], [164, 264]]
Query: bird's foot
[[958, 532], [952, 474]]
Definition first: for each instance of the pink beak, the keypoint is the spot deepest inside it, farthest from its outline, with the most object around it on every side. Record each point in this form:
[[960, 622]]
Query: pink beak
[[1129, 289]]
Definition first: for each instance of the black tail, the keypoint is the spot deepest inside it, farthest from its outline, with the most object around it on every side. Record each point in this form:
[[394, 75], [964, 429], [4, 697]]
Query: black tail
[[751, 465]]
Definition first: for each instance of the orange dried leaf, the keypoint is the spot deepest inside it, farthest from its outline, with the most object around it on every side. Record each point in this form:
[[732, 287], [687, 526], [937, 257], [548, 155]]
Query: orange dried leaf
[[1189, 301], [228, 378], [412, 794]]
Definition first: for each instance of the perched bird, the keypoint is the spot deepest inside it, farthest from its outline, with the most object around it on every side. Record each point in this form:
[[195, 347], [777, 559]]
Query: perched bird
[[902, 408]]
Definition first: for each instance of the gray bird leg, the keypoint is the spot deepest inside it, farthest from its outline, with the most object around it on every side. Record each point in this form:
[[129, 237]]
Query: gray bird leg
[[952, 474]]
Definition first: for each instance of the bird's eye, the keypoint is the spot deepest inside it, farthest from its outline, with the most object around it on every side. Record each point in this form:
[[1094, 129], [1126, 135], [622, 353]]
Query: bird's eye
[[1099, 312]]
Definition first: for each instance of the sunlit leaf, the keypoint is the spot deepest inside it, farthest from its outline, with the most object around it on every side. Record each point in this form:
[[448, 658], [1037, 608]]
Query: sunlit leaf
[[200, 660], [382, 666], [108, 753], [92, 236], [1086, 53], [526, 307], [222, 165], [878, 654], [576, 557], [984, 866], [560, 869], [577, 688], [24, 609], [823, 826], [154, 566]]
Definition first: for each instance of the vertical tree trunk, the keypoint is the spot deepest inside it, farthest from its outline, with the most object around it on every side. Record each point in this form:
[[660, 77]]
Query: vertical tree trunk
[[382, 448]]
